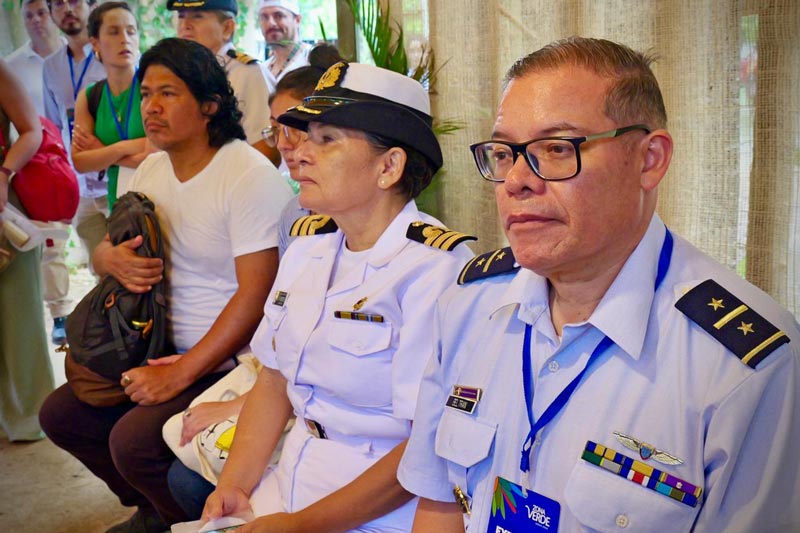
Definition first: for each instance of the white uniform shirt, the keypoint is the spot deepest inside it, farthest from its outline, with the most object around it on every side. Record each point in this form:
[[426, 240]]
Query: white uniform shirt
[[665, 381], [252, 93], [228, 209], [358, 379], [299, 59], [27, 65], [61, 87]]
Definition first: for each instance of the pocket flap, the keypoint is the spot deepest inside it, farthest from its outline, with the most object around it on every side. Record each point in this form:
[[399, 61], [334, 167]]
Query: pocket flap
[[602, 501], [359, 338], [463, 439]]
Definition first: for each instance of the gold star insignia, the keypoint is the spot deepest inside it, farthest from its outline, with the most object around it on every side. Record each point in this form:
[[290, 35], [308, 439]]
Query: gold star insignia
[[746, 328], [716, 304], [501, 255], [480, 261]]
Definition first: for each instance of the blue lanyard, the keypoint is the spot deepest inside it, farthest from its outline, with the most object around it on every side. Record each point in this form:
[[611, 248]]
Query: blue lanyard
[[561, 400], [123, 134], [77, 88]]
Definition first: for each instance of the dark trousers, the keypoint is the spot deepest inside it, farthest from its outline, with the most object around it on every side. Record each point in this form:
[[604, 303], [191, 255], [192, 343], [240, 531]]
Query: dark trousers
[[122, 445], [189, 489]]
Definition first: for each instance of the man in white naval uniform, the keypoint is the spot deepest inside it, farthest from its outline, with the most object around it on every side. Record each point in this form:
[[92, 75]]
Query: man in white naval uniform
[[601, 373], [212, 23]]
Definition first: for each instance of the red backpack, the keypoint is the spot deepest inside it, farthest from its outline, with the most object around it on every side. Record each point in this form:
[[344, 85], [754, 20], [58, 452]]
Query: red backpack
[[47, 185]]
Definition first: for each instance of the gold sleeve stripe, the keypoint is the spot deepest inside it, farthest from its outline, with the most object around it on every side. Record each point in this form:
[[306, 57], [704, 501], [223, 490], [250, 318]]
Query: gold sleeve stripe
[[491, 258], [752, 353], [730, 316], [466, 269]]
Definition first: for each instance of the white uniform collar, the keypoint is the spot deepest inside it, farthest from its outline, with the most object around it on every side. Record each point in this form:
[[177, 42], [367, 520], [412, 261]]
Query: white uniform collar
[[624, 310], [392, 240]]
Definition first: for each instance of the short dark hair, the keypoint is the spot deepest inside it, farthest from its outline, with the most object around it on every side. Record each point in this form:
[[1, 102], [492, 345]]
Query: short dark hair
[[201, 72], [50, 3], [418, 172], [301, 82], [97, 14], [633, 97]]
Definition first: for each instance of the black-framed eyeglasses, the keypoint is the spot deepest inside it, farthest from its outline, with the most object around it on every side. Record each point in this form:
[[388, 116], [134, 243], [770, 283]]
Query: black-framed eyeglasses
[[270, 134], [61, 4], [551, 158]]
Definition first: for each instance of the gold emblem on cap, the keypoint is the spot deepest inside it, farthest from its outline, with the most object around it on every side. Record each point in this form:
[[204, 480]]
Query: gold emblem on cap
[[330, 77]]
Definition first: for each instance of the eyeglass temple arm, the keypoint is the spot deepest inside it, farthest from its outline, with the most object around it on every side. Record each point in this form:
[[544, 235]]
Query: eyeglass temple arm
[[617, 132]]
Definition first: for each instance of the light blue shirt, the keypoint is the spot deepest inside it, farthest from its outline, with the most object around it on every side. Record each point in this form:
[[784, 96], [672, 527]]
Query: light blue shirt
[[665, 381], [290, 214], [59, 100]]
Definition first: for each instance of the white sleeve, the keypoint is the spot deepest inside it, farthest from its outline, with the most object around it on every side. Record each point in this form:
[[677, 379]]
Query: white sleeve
[[415, 342], [253, 97], [751, 452], [421, 471], [257, 200]]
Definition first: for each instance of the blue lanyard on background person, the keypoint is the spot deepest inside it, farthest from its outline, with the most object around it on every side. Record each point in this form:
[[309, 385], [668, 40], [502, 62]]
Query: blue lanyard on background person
[[123, 133], [561, 400], [76, 88]]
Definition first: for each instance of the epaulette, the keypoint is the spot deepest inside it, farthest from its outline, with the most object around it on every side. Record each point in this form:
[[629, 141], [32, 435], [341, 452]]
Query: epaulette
[[740, 329], [313, 225], [241, 57], [488, 265], [436, 236]]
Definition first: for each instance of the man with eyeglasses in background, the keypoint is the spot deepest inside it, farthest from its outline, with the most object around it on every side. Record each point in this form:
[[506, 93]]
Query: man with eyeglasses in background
[[65, 74], [212, 23], [280, 26], [600, 373]]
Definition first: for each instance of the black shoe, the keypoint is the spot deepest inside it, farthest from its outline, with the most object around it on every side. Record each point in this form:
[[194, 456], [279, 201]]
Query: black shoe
[[144, 520]]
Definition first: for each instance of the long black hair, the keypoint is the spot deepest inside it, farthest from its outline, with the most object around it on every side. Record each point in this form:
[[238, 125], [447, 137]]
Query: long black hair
[[201, 72]]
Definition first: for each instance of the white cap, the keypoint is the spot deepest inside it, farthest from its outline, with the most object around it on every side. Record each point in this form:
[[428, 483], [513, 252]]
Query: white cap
[[288, 5], [390, 85]]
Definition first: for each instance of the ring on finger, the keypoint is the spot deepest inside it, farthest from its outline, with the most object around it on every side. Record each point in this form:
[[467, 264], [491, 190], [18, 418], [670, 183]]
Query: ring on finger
[[126, 380]]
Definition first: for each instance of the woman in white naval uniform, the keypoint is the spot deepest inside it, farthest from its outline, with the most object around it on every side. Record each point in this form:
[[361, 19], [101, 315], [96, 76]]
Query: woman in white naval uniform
[[346, 333]]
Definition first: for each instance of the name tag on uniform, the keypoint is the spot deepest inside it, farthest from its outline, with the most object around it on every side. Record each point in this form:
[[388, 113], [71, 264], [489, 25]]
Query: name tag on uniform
[[516, 510], [280, 298], [464, 398]]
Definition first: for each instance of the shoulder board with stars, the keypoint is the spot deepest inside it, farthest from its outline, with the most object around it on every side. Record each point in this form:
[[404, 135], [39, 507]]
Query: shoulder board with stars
[[312, 225], [241, 57], [488, 265], [740, 329], [436, 236]]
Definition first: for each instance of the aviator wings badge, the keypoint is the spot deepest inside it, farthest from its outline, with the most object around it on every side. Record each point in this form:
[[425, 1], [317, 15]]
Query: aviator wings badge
[[647, 451]]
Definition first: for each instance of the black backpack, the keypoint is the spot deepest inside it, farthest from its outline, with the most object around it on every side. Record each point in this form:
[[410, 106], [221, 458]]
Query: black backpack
[[112, 329]]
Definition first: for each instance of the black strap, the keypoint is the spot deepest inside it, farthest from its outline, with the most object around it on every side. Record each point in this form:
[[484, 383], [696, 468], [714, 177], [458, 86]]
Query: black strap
[[93, 97]]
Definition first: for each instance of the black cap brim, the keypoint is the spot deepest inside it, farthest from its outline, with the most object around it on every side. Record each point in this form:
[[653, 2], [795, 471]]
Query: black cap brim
[[382, 118]]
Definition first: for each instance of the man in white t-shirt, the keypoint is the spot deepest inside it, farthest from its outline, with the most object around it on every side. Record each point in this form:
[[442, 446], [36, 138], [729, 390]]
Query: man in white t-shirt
[[218, 201]]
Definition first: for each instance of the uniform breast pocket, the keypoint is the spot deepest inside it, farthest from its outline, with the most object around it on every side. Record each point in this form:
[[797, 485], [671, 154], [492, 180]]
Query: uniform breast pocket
[[275, 316], [464, 441], [603, 501], [361, 362]]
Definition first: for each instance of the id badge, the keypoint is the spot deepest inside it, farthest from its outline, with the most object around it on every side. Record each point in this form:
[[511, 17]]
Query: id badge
[[516, 510], [70, 120]]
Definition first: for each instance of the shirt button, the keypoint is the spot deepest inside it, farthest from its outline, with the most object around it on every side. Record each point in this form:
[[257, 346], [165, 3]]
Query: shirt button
[[553, 366], [622, 520]]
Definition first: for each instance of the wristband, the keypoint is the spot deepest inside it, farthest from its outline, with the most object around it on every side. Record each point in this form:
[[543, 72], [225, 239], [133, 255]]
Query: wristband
[[8, 172]]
